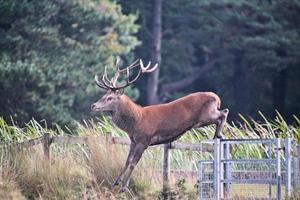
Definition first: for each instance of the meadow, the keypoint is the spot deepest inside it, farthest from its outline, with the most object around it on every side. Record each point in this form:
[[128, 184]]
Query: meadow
[[87, 171]]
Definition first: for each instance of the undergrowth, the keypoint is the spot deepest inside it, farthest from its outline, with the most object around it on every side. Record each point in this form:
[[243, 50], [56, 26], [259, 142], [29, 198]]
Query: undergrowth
[[87, 171]]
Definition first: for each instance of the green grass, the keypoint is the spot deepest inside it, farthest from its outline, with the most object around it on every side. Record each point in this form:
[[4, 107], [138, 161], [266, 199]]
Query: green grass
[[247, 190], [86, 171]]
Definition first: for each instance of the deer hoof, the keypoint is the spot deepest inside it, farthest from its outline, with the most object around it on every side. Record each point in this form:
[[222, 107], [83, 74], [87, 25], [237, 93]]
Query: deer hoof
[[218, 137]]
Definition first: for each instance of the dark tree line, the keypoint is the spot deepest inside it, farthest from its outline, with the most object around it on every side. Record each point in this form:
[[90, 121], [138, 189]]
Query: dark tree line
[[50, 51], [248, 52]]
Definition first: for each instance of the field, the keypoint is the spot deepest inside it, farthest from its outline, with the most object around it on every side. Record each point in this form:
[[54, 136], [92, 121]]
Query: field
[[87, 171]]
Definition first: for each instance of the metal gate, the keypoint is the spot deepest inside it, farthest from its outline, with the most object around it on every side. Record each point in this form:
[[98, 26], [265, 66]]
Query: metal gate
[[225, 176]]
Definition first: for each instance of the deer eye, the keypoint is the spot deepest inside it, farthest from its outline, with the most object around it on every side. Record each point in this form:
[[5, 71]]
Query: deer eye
[[109, 98]]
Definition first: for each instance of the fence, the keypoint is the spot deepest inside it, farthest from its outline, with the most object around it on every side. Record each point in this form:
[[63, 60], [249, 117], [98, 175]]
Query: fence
[[226, 176], [216, 177], [46, 140]]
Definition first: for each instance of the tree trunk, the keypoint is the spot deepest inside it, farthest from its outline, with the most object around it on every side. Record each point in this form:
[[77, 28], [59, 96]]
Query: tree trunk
[[241, 89], [153, 78], [185, 82], [279, 92]]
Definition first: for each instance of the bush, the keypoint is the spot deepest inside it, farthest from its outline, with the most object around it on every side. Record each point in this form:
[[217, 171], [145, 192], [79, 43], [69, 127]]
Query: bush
[[50, 51]]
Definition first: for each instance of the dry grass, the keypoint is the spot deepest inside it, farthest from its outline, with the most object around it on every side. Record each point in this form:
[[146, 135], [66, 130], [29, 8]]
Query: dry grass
[[295, 196], [87, 171], [69, 175]]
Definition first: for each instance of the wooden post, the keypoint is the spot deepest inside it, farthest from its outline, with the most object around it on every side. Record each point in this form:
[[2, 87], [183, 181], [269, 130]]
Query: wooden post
[[166, 169], [46, 145]]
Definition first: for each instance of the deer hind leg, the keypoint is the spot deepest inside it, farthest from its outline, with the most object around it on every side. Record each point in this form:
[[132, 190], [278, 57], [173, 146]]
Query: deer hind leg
[[138, 151], [129, 158], [220, 122]]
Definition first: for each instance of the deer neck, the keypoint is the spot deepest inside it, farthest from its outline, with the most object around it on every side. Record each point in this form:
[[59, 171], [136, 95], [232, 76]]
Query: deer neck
[[126, 114]]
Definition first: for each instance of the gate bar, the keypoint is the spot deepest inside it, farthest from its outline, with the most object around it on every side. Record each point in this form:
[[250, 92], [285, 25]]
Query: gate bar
[[288, 167], [278, 169]]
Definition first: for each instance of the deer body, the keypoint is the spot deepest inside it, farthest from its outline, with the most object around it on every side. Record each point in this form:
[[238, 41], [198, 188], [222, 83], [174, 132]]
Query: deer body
[[157, 124], [164, 122]]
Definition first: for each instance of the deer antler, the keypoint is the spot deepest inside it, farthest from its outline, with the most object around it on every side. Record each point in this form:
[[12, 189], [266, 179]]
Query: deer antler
[[107, 84]]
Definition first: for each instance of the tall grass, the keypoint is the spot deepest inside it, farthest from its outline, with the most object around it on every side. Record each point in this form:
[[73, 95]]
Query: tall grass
[[27, 174], [87, 171]]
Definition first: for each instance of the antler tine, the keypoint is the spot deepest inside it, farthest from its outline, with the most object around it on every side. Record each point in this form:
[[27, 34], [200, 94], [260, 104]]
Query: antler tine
[[129, 82], [101, 85], [112, 84], [117, 74], [136, 78], [115, 78], [119, 71], [141, 71], [146, 69], [134, 64], [117, 63], [131, 66], [106, 81]]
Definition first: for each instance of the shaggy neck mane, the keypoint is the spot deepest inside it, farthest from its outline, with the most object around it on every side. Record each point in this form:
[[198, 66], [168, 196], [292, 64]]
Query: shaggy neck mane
[[127, 114]]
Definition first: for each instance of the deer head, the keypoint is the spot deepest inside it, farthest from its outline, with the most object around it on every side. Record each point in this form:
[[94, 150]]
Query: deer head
[[112, 99]]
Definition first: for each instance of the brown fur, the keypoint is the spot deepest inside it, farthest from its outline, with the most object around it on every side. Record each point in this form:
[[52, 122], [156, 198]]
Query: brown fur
[[162, 123], [161, 120]]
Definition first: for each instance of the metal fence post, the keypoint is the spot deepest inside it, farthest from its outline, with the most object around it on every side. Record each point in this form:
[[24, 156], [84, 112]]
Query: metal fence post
[[296, 175], [278, 169], [227, 171], [270, 169], [217, 169], [287, 155], [222, 155], [199, 180]]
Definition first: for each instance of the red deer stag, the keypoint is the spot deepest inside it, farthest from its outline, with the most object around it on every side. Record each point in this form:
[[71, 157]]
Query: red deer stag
[[156, 124]]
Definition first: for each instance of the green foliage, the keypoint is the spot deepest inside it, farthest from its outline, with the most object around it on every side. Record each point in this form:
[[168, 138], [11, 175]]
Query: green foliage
[[101, 169], [50, 51], [15, 81], [66, 42], [251, 42]]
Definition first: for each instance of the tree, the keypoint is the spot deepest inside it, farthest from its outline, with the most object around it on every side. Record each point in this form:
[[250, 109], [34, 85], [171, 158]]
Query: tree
[[50, 51], [238, 49], [153, 79]]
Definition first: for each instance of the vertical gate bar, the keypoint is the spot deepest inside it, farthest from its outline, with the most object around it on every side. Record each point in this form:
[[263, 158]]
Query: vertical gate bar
[[296, 167], [293, 164], [200, 174], [217, 169], [221, 170], [227, 171], [278, 169], [270, 169], [288, 163], [200, 180]]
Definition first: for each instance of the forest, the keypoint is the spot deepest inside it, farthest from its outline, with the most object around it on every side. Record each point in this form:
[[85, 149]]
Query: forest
[[248, 52]]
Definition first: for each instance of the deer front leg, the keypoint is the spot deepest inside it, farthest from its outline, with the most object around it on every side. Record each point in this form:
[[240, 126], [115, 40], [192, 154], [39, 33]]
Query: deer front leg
[[138, 151], [129, 158]]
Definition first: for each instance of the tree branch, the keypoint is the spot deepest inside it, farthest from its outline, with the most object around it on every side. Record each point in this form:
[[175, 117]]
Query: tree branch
[[183, 83]]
